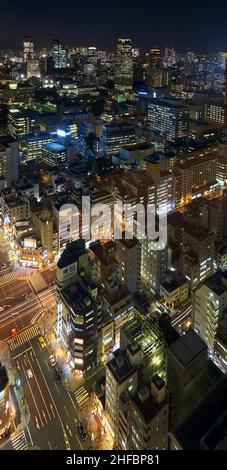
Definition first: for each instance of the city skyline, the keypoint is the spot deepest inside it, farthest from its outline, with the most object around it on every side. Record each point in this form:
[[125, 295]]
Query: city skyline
[[113, 232], [149, 25]]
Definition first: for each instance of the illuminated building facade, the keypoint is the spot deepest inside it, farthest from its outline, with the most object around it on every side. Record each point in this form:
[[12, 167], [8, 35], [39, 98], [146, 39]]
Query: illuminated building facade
[[58, 53], [144, 332], [28, 48], [144, 417], [42, 220], [153, 266], [168, 118], [20, 123], [123, 69], [174, 289], [33, 68], [9, 160], [115, 136], [209, 306], [214, 112], [79, 307], [121, 375], [225, 92], [54, 154], [32, 146], [4, 401], [154, 68]]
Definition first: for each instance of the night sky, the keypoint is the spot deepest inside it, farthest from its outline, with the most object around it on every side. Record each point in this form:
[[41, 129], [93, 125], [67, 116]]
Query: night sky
[[197, 24]]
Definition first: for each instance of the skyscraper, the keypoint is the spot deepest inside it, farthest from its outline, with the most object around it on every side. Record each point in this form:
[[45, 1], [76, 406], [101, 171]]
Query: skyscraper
[[8, 160], [186, 374], [154, 68], [123, 73], [148, 414], [209, 307], [225, 92], [168, 118], [58, 52], [79, 307], [121, 375], [28, 48], [33, 68]]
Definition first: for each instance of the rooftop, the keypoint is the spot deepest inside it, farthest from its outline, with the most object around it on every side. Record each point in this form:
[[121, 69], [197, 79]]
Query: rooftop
[[149, 407], [169, 103], [54, 147], [207, 423], [77, 297], [188, 347], [120, 366], [172, 281], [73, 251], [217, 282]]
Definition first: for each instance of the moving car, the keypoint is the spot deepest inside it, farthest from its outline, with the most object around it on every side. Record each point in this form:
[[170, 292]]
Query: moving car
[[52, 360], [29, 374], [82, 431], [57, 375]]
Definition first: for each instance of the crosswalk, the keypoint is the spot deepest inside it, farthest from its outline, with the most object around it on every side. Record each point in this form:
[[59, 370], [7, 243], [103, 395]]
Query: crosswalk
[[81, 396], [23, 337], [8, 278], [19, 442], [37, 282]]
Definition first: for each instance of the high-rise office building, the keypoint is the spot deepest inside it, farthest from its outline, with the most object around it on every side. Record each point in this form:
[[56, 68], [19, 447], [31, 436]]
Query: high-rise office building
[[168, 118], [225, 93], [214, 112], [58, 53], [187, 362], [114, 136], [205, 427], [155, 71], [54, 154], [8, 160], [121, 375], [32, 145], [33, 68], [28, 48], [128, 258], [154, 264], [169, 57], [209, 306], [148, 417], [42, 220], [123, 70], [20, 122], [194, 245], [198, 254], [79, 307]]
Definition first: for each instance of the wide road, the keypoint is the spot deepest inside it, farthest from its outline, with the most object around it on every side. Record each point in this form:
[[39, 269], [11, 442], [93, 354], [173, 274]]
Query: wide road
[[21, 303], [64, 400], [54, 412]]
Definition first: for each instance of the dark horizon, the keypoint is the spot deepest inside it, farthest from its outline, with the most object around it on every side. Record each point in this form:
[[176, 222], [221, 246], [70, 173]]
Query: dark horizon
[[196, 26]]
